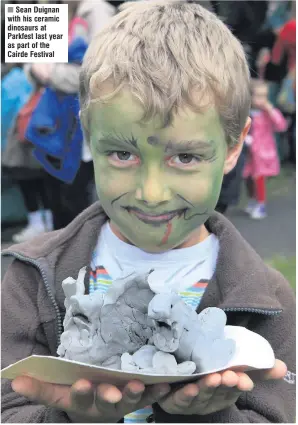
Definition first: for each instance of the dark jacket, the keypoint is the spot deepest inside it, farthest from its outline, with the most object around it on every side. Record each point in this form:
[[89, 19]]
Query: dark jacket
[[231, 184], [252, 294], [244, 18]]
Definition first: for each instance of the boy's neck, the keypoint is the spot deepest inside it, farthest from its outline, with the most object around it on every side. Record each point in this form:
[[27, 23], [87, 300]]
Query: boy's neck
[[197, 236]]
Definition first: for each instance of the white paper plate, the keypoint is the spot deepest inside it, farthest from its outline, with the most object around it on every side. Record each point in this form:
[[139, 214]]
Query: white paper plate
[[252, 352]]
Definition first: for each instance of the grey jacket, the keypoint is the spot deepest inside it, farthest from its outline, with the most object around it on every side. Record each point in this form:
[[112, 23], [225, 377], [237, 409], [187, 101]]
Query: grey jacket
[[252, 294]]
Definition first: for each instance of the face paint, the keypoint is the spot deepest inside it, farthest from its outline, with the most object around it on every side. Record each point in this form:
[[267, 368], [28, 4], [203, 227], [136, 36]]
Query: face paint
[[153, 140], [167, 234], [157, 185]]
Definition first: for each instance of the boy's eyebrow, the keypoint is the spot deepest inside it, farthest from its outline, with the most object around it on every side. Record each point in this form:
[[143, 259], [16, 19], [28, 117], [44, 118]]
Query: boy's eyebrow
[[131, 140], [189, 145], [185, 145]]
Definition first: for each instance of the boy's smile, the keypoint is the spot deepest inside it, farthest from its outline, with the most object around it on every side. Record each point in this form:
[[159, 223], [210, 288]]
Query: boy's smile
[[157, 185], [154, 219]]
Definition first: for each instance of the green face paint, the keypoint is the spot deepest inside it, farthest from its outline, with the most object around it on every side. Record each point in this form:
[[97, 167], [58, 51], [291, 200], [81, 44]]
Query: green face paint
[[158, 186]]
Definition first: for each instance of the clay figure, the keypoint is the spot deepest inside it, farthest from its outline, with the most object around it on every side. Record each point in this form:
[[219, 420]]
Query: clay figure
[[188, 335], [149, 360], [133, 328], [99, 328], [81, 322]]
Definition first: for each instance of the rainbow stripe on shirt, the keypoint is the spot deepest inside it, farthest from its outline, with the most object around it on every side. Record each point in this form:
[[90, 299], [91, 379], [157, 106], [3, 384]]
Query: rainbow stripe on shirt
[[100, 280]]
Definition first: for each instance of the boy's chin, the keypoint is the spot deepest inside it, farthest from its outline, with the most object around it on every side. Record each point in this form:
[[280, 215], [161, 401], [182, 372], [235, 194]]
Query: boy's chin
[[155, 246], [161, 241], [151, 246], [155, 249]]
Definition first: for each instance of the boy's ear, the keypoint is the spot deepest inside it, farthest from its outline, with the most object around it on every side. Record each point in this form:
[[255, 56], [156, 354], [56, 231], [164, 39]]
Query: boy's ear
[[234, 152]]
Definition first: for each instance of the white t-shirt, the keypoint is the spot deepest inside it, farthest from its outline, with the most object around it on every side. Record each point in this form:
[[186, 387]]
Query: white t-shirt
[[184, 270], [179, 268]]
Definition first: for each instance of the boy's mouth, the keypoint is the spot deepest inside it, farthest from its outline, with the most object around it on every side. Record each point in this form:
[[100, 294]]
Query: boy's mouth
[[156, 219]]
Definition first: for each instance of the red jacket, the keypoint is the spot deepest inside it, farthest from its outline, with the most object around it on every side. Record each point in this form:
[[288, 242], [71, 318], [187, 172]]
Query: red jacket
[[286, 43]]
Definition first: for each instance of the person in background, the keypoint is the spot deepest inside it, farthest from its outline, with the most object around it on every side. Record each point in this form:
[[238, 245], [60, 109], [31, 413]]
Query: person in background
[[245, 19], [231, 186], [285, 46], [86, 18], [262, 160], [18, 163], [275, 67], [278, 13]]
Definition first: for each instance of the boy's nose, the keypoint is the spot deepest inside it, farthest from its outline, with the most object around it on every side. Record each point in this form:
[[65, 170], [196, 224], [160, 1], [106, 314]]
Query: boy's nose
[[153, 190]]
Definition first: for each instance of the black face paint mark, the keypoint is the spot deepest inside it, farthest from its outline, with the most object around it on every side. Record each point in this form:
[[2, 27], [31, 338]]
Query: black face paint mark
[[192, 205], [194, 215], [185, 200], [153, 140], [208, 149], [116, 199], [122, 139], [133, 141], [169, 146]]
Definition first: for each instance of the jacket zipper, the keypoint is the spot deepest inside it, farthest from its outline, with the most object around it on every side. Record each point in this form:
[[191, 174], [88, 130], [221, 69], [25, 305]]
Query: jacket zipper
[[253, 310], [47, 286]]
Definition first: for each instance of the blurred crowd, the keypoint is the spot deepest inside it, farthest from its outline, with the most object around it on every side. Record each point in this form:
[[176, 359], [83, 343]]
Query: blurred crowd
[[56, 188]]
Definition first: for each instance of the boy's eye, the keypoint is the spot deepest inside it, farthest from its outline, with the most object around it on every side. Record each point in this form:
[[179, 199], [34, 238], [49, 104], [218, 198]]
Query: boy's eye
[[123, 158], [184, 159]]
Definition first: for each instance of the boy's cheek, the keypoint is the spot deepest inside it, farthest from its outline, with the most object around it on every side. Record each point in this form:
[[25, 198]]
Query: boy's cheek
[[203, 190], [110, 184]]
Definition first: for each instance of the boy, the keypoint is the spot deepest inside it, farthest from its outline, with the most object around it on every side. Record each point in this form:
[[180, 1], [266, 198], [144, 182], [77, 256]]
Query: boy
[[164, 105]]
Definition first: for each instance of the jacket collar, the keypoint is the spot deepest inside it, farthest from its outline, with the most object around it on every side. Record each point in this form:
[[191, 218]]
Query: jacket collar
[[241, 279]]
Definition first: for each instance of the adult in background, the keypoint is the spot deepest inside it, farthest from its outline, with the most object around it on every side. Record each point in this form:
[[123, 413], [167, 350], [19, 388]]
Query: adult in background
[[245, 19], [285, 46], [86, 18]]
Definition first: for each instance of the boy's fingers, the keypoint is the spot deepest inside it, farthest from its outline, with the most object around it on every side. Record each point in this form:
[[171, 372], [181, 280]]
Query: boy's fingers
[[132, 393], [184, 397], [277, 372], [82, 395], [43, 392], [244, 383], [209, 382], [229, 378], [106, 398], [154, 393], [24, 386], [230, 394], [107, 393]]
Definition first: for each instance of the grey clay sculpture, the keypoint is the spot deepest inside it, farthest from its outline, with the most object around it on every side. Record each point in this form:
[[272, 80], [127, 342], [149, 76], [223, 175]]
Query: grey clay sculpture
[[132, 328]]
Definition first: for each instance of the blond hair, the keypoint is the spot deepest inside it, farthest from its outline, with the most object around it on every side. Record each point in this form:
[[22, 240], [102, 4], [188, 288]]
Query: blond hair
[[169, 54]]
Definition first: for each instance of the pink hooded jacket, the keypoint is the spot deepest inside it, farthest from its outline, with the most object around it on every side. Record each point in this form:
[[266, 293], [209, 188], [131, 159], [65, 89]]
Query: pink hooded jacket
[[263, 157]]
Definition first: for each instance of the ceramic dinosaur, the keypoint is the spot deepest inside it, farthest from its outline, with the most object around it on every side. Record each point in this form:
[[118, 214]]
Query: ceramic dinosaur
[[132, 328]]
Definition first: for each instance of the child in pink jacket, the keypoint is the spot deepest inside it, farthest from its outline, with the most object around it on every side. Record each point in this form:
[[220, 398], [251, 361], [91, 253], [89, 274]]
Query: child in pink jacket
[[262, 159]]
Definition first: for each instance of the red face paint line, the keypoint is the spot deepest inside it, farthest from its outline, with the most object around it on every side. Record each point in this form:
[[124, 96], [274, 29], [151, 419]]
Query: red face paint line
[[167, 234]]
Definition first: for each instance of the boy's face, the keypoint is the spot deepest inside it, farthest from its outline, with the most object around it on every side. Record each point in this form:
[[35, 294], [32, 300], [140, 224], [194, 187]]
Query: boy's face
[[158, 186]]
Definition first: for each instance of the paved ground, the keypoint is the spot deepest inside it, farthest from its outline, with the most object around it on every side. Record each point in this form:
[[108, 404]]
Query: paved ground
[[276, 235]]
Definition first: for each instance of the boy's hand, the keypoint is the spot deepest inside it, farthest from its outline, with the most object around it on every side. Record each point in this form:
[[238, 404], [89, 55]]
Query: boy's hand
[[216, 391], [86, 403]]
